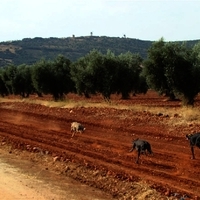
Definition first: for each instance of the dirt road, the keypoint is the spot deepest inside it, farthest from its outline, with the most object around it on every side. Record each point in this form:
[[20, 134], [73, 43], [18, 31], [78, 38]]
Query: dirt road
[[26, 179], [101, 154]]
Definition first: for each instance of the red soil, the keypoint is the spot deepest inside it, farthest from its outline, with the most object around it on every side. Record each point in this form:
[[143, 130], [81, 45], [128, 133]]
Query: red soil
[[105, 144]]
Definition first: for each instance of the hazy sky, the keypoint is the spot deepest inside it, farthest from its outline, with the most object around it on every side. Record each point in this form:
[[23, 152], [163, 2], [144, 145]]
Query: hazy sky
[[174, 20]]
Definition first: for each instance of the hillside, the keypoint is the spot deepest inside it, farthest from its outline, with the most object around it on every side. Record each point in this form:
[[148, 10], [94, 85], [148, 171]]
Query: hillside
[[30, 50]]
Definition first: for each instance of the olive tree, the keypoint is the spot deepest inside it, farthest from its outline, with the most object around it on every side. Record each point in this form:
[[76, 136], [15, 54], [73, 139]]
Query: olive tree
[[52, 77], [83, 73], [173, 68], [22, 82], [154, 69], [3, 89], [129, 75]]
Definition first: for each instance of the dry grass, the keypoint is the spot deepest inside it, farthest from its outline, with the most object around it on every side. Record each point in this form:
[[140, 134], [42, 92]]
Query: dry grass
[[180, 115], [187, 117]]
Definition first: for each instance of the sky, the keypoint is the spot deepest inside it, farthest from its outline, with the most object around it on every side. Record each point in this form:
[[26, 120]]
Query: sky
[[174, 20]]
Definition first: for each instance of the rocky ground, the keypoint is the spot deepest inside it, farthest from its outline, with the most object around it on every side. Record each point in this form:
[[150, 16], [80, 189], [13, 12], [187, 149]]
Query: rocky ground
[[100, 156]]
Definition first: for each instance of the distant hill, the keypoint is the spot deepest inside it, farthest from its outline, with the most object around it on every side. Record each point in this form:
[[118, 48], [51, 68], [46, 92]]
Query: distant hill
[[31, 50]]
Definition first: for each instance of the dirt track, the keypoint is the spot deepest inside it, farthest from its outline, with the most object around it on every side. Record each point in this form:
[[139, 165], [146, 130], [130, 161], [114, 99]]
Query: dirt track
[[22, 178], [105, 145]]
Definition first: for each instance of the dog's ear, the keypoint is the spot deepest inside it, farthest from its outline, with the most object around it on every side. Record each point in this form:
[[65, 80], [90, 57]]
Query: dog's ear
[[135, 139]]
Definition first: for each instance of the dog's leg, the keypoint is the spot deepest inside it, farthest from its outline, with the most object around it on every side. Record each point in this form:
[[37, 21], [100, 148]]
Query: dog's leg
[[131, 150], [73, 133], [145, 152], [138, 156], [149, 149], [192, 150]]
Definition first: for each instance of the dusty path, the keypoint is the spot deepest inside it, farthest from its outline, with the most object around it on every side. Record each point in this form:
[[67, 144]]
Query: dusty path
[[23, 179], [105, 145]]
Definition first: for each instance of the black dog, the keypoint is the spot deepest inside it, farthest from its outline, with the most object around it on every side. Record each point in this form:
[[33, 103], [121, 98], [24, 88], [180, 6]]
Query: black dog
[[141, 146], [194, 141]]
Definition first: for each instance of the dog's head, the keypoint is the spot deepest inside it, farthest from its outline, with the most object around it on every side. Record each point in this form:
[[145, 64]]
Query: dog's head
[[188, 136], [134, 140]]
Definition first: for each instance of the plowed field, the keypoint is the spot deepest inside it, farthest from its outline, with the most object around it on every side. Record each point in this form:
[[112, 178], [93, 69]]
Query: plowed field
[[103, 149]]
